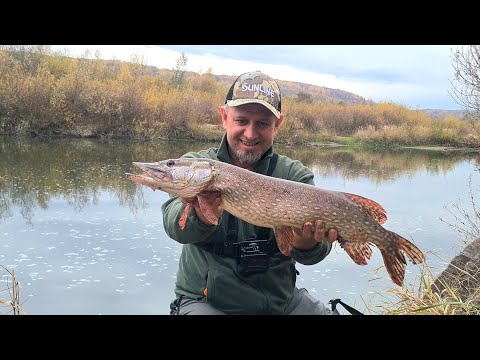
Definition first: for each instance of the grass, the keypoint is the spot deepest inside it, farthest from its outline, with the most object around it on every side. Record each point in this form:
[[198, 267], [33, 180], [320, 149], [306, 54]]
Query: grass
[[11, 293], [457, 290], [435, 297]]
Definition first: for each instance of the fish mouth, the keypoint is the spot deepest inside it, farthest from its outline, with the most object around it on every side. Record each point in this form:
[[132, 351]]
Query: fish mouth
[[152, 171], [144, 166], [150, 175], [144, 179], [142, 174], [157, 177]]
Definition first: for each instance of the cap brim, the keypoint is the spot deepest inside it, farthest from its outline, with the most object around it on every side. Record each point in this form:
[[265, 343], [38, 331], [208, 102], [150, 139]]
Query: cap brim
[[254, 101]]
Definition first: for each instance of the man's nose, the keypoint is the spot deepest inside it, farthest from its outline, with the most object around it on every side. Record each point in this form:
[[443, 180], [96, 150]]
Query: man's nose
[[250, 131]]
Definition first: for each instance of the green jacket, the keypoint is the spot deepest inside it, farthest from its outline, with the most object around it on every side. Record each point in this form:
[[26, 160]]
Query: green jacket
[[268, 292]]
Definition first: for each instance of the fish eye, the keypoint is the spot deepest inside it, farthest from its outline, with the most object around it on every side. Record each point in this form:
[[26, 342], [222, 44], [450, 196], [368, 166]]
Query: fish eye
[[170, 163]]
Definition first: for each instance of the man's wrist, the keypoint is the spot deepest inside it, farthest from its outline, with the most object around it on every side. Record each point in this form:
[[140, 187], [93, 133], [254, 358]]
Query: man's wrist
[[306, 247]]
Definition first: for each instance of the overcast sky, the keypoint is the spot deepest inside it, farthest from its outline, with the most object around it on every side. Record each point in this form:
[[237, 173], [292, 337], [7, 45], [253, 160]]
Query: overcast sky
[[417, 76]]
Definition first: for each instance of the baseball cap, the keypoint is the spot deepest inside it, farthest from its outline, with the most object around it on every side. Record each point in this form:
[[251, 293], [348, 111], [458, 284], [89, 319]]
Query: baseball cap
[[255, 87]]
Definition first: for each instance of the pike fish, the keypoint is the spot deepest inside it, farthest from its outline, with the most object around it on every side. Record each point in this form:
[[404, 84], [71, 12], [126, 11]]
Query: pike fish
[[282, 205]]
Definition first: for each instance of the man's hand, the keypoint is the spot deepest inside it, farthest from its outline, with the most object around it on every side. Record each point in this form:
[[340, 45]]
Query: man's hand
[[311, 234], [212, 199]]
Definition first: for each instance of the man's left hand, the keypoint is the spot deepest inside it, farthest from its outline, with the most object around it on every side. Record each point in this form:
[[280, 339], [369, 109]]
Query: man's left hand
[[311, 234]]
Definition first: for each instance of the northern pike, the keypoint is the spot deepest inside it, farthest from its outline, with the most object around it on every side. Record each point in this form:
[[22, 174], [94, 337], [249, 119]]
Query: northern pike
[[282, 205]]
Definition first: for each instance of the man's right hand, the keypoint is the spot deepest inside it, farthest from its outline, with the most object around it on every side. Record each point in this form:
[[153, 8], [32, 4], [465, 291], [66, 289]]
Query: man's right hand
[[214, 201]]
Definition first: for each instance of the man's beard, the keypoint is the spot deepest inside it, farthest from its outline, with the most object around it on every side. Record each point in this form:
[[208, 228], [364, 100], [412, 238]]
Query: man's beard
[[248, 158]]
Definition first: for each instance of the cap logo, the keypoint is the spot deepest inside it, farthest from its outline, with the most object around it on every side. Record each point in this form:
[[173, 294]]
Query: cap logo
[[258, 87], [255, 87]]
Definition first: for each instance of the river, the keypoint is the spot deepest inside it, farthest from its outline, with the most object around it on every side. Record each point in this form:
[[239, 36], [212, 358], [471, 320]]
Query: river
[[82, 239]]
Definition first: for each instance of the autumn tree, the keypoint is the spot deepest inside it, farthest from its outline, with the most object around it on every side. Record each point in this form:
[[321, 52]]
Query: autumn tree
[[304, 97]]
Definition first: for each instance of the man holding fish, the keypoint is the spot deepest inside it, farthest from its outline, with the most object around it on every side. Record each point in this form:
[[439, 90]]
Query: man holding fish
[[264, 282]]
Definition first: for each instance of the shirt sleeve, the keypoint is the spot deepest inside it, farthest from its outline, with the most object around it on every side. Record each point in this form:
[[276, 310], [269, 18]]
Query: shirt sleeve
[[312, 256], [194, 231]]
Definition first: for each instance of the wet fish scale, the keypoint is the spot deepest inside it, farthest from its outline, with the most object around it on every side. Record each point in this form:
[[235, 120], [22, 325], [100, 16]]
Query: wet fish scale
[[282, 204]]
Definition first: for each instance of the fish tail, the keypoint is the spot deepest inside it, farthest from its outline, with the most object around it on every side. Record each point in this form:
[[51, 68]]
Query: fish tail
[[412, 251], [394, 258]]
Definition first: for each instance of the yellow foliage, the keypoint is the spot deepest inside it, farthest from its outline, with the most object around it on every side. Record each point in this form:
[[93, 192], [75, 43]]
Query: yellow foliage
[[130, 99]]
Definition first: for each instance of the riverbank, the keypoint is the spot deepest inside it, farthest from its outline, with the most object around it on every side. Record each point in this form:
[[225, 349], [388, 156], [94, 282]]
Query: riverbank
[[213, 133], [442, 148]]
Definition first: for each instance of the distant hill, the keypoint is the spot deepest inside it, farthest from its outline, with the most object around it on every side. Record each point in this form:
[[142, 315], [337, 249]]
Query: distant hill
[[441, 114], [292, 88], [318, 93], [288, 88], [321, 94]]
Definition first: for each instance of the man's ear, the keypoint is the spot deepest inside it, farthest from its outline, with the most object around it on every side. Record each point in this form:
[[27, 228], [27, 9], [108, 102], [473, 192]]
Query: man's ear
[[278, 122], [223, 114]]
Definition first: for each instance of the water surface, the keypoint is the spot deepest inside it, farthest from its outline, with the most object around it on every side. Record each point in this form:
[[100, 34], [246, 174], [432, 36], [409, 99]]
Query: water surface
[[82, 239]]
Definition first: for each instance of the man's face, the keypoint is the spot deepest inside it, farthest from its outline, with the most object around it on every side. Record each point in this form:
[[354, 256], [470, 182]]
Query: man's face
[[250, 129]]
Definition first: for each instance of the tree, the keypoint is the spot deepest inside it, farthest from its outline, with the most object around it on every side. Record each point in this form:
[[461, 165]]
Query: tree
[[304, 97], [466, 84], [178, 78]]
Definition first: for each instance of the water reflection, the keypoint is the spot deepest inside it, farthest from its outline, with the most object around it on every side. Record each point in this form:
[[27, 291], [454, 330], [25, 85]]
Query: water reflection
[[34, 171], [378, 166], [85, 240]]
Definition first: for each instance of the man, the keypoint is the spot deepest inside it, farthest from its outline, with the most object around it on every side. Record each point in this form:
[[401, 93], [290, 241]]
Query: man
[[212, 278]]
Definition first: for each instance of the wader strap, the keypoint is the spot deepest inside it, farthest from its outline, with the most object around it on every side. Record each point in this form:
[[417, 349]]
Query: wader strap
[[272, 164], [350, 309]]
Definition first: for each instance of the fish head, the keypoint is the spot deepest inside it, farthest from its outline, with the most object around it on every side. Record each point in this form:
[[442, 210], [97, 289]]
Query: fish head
[[180, 177]]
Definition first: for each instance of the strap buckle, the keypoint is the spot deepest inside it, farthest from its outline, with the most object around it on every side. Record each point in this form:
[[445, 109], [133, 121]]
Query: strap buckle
[[252, 256], [252, 247]]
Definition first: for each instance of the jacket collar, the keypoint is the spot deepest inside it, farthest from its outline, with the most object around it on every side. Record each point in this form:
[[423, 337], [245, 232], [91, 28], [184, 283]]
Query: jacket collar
[[224, 155]]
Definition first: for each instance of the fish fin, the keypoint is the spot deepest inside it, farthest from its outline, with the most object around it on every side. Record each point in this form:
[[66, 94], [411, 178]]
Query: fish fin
[[395, 262], [207, 209], [183, 219], [284, 236], [373, 208], [359, 251]]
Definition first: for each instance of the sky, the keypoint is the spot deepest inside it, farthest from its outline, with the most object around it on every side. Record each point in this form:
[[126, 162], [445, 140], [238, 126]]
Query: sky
[[416, 76]]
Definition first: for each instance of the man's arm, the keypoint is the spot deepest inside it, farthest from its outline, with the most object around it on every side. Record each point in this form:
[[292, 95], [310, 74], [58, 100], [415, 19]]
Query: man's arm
[[194, 231]]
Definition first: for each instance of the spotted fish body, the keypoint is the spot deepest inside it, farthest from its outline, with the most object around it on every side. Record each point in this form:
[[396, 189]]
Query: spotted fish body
[[282, 204]]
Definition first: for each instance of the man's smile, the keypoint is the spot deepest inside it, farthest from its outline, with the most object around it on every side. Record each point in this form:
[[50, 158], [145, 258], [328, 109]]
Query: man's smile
[[250, 143]]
